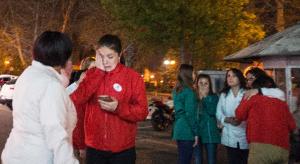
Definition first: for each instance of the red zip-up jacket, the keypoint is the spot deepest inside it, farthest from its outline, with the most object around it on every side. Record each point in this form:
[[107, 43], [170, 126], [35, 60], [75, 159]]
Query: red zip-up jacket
[[269, 120], [112, 131], [78, 132]]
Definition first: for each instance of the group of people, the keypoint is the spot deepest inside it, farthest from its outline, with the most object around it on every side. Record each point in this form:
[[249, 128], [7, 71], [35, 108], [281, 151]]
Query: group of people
[[97, 113], [249, 117], [108, 99]]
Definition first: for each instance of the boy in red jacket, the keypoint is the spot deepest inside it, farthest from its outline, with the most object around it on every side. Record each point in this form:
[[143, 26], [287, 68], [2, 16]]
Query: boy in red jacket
[[115, 99], [269, 123]]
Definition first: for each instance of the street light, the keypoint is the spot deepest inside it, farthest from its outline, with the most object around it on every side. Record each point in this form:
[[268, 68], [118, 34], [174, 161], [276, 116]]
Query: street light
[[169, 62], [6, 62]]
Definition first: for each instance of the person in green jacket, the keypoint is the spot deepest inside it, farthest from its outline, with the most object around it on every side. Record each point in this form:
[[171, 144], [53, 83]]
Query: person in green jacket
[[185, 105], [207, 122]]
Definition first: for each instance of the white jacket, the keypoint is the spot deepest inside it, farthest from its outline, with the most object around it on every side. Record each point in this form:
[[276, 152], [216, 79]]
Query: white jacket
[[43, 120], [231, 135]]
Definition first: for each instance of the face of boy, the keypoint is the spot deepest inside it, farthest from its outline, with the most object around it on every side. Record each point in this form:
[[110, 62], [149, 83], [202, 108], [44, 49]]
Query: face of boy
[[110, 58]]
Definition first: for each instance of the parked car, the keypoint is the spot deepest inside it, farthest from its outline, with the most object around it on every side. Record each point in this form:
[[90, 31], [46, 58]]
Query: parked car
[[6, 93], [5, 78]]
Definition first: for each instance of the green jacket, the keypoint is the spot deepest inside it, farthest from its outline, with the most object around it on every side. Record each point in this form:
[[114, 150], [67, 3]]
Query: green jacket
[[207, 122], [185, 105]]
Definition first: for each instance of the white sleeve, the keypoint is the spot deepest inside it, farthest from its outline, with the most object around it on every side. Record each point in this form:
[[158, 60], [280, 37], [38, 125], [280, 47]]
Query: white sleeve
[[71, 88], [220, 107], [53, 115], [274, 93]]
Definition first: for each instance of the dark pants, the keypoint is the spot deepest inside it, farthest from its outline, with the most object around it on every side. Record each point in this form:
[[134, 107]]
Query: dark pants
[[237, 155], [94, 156], [211, 153], [185, 151]]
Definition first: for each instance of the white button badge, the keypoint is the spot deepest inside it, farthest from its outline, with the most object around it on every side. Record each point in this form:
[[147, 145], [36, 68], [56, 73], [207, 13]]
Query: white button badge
[[117, 87]]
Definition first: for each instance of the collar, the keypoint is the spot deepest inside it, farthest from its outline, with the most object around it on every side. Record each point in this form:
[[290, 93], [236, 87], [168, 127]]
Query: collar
[[118, 68], [47, 69]]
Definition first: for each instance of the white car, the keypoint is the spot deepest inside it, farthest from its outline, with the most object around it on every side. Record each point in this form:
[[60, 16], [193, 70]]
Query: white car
[[5, 78], [6, 93]]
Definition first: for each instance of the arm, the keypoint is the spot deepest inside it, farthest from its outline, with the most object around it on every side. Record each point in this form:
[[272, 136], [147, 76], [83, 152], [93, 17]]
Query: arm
[[191, 111], [137, 109], [210, 105], [78, 132], [88, 86], [220, 107], [241, 113], [53, 117]]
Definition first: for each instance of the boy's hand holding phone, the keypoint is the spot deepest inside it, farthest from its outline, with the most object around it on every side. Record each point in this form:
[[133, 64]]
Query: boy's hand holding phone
[[108, 103]]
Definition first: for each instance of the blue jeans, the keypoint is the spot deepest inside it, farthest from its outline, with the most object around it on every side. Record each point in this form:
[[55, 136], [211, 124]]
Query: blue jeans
[[211, 153], [185, 151]]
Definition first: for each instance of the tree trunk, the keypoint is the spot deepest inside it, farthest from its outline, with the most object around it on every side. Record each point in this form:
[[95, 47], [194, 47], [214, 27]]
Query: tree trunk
[[36, 24], [182, 51], [67, 15], [19, 48], [280, 15]]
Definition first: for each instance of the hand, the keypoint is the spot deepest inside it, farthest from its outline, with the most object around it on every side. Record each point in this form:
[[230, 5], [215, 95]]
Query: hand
[[92, 65], [110, 106], [99, 62], [235, 122], [196, 141], [82, 76], [232, 120], [248, 94], [203, 92], [82, 153], [228, 119]]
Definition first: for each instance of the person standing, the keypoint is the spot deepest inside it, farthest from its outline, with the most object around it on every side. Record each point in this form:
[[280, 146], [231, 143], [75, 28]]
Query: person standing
[[251, 76], [208, 130], [269, 124], [185, 105], [233, 132], [115, 100], [78, 132], [43, 116]]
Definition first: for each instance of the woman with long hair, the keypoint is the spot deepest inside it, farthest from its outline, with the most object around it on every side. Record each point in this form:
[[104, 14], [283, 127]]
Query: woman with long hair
[[234, 131], [185, 104], [208, 130]]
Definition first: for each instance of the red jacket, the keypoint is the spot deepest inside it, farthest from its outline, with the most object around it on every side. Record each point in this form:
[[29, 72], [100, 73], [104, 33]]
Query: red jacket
[[109, 131], [269, 120], [78, 132]]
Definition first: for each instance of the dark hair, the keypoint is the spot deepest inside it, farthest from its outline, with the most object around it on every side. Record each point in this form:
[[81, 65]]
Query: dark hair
[[205, 76], [264, 81], [111, 41], [184, 77], [256, 72], [52, 48], [239, 75]]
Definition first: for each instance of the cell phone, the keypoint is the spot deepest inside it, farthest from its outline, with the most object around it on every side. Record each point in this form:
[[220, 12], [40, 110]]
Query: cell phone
[[106, 98]]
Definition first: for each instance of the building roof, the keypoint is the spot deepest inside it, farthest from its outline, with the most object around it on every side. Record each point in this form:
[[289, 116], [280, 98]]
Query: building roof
[[285, 43]]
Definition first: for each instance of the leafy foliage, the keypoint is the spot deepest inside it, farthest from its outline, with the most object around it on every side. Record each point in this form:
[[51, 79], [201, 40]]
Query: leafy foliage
[[198, 30]]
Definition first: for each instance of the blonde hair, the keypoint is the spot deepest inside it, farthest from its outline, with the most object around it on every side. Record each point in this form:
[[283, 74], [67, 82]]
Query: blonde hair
[[86, 62]]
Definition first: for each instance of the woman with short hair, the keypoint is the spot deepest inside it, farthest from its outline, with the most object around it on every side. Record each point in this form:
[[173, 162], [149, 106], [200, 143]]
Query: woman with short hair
[[43, 116]]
